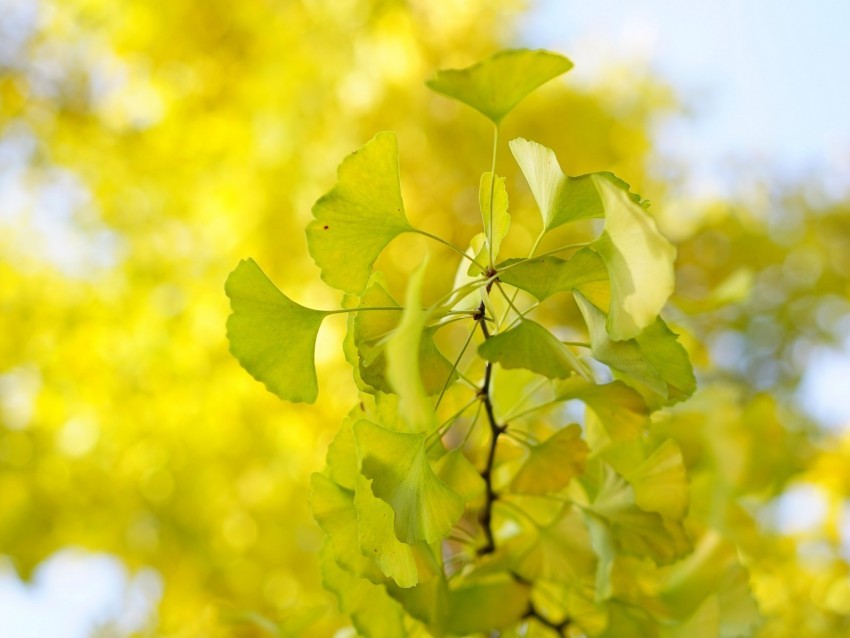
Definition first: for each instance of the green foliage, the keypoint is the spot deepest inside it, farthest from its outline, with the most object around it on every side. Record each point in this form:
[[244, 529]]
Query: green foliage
[[447, 524]]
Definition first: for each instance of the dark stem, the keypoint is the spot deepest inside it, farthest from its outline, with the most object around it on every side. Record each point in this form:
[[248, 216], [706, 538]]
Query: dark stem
[[486, 517]]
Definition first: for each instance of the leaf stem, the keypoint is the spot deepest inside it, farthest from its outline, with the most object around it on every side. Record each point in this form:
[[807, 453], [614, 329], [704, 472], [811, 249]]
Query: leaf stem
[[492, 192], [450, 245], [454, 367]]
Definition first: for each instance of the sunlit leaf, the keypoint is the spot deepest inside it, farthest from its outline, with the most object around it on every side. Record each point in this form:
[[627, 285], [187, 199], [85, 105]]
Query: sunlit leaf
[[333, 509], [455, 470], [360, 215], [342, 452], [377, 539], [372, 330], [633, 530], [639, 261], [403, 352], [621, 410], [425, 508], [531, 346], [487, 606], [372, 611], [273, 337], [545, 276], [553, 463], [654, 362], [496, 85], [661, 483], [560, 551]]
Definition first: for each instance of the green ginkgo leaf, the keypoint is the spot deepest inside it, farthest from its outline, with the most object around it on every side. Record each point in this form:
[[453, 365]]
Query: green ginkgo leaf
[[639, 261], [635, 531], [560, 198], [655, 362], [496, 85], [403, 353], [545, 276], [487, 607], [371, 332], [638, 258], [552, 464], [621, 410], [373, 613], [377, 538], [661, 482], [360, 215], [425, 507], [529, 345], [333, 509], [273, 337], [559, 551], [496, 220]]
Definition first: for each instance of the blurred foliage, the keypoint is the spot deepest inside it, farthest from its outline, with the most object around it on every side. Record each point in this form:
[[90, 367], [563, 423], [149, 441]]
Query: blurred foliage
[[146, 147]]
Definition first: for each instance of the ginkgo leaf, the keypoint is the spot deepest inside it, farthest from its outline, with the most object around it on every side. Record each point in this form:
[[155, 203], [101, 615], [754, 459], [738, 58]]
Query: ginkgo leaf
[[487, 606], [560, 198], [455, 470], [560, 551], [377, 539], [496, 85], [372, 611], [531, 346], [403, 369], [372, 329], [639, 261], [621, 410], [342, 452], [470, 298], [425, 507], [545, 276], [333, 509], [273, 337], [655, 362], [638, 258], [360, 215], [553, 463], [498, 214], [661, 482], [633, 530]]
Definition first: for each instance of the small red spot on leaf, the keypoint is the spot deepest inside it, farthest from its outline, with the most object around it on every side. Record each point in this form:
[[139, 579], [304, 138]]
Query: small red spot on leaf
[[325, 227]]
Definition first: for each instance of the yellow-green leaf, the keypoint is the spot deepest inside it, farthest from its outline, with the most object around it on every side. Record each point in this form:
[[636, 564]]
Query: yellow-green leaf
[[377, 539], [545, 276], [425, 507], [654, 362], [531, 346], [661, 483], [487, 606], [639, 261], [372, 330], [496, 85], [360, 215], [621, 410], [372, 611], [273, 337], [403, 352], [553, 463]]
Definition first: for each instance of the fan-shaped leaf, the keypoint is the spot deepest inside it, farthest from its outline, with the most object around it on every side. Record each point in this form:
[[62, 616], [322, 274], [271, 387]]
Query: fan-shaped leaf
[[655, 362], [372, 330], [273, 337], [360, 215], [372, 611], [501, 219], [425, 507], [496, 85], [487, 606], [553, 463], [639, 261], [661, 483], [529, 345], [377, 539], [545, 276], [621, 410], [403, 352]]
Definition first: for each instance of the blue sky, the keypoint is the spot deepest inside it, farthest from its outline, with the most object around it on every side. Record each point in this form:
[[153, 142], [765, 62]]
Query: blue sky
[[767, 80]]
